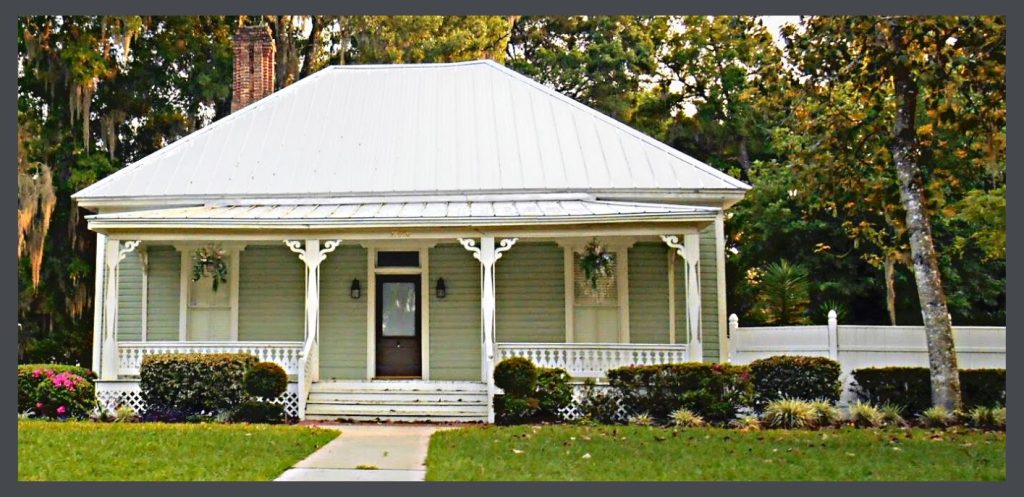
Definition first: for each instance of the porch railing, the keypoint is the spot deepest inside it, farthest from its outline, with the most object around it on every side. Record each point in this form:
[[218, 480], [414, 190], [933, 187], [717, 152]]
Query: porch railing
[[592, 360], [285, 354], [308, 367]]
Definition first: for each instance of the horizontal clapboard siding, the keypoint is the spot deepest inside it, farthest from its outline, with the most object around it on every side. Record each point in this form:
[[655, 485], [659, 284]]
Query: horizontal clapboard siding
[[271, 294], [455, 319], [648, 293], [129, 299], [530, 294], [709, 294], [342, 318], [164, 293]]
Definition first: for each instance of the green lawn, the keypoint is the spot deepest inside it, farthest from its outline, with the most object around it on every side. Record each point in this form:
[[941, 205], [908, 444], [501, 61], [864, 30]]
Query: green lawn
[[560, 453], [51, 450]]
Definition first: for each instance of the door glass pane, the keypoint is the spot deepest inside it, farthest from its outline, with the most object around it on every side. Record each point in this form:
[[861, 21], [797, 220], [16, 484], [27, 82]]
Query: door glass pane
[[398, 313]]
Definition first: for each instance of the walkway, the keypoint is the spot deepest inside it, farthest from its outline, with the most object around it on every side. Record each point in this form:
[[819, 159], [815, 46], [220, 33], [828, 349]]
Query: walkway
[[368, 452]]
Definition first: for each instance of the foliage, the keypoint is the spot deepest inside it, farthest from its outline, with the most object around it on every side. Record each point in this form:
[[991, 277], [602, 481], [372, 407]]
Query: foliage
[[892, 414], [193, 384], [598, 404], [640, 453], [641, 419], [513, 409], [713, 391], [911, 387], [993, 418], [64, 395], [125, 414], [685, 418], [789, 413], [266, 380], [516, 376], [782, 293], [209, 262], [596, 262], [746, 423], [30, 376], [865, 415], [258, 411], [825, 412], [554, 393], [77, 451], [936, 417], [795, 377]]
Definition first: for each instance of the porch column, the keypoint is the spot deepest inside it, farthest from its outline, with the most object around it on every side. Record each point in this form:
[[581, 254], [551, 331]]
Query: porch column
[[689, 250], [114, 253], [97, 306], [488, 255], [312, 255]]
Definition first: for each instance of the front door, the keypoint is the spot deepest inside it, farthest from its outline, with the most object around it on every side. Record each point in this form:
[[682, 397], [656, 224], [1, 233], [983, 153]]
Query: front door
[[398, 326]]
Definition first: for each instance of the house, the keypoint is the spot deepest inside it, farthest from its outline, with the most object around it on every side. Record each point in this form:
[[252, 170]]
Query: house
[[387, 233]]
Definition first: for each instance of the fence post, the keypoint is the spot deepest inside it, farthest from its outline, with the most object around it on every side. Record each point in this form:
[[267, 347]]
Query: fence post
[[734, 323], [833, 335]]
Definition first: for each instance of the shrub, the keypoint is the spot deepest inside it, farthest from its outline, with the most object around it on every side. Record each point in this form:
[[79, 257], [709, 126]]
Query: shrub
[[825, 413], [713, 391], [258, 411], [64, 395], [794, 377], [746, 423], [510, 410], [789, 413], [911, 387], [865, 415], [125, 414], [936, 417], [163, 414], [266, 380], [599, 405], [892, 414], [31, 375], [685, 418], [517, 376], [642, 419], [554, 393], [192, 384], [988, 417], [999, 417]]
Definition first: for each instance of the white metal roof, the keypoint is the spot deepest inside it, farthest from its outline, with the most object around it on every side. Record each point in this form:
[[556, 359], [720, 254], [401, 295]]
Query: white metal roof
[[406, 213], [410, 129]]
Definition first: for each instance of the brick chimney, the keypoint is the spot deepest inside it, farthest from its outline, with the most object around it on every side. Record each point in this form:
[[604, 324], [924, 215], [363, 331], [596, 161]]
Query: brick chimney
[[254, 65]]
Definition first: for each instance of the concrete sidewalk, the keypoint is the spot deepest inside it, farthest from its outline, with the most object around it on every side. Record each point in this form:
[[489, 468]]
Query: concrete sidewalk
[[368, 452]]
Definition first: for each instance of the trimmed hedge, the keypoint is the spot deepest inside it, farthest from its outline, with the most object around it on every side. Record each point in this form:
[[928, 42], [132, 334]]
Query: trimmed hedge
[[911, 387], [266, 380], [554, 393], [517, 376], [794, 377], [257, 411], [193, 384], [31, 375], [713, 391]]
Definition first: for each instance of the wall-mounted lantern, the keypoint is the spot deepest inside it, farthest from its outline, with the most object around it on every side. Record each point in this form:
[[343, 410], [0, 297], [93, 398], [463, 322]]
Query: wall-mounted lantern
[[442, 289], [355, 291]]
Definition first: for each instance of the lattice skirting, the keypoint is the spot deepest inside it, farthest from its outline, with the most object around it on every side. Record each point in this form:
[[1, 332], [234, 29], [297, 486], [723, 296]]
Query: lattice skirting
[[574, 411], [113, 394]]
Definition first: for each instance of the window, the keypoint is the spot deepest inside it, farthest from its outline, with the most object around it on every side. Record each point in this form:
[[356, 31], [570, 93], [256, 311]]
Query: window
[[398, 259], [596, 310], [207, 315]]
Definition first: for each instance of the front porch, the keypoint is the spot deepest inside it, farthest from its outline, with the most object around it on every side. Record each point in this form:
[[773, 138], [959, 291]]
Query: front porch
[[314, 305]]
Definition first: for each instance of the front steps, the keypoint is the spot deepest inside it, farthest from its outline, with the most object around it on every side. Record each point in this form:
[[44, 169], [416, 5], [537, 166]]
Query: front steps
[[398, 401]]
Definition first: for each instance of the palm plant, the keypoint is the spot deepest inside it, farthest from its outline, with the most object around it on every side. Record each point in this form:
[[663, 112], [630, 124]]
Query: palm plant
[[783, 294]]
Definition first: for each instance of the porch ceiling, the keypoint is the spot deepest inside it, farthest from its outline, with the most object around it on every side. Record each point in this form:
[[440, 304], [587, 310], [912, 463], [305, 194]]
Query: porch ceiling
[[401, 214]]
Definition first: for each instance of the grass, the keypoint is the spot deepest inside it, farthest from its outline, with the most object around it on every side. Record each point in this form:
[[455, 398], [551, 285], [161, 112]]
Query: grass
[[83, 450], [571, 452]]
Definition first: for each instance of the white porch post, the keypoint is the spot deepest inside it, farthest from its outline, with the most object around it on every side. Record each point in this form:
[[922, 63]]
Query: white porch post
[[488, 255], [113, 255], [312, 255], [97, 311], [689, 250]]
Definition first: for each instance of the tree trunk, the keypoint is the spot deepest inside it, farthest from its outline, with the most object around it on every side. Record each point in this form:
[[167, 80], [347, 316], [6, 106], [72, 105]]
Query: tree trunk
[[890, 288], [312, 49], [744, 160], [905, 154]]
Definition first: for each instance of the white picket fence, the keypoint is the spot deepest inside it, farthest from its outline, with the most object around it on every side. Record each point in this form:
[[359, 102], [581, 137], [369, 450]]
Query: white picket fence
[[860, 346]]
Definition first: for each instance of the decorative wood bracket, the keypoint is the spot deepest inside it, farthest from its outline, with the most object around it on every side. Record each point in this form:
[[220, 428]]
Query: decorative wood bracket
[[312, 260], [673, 242]]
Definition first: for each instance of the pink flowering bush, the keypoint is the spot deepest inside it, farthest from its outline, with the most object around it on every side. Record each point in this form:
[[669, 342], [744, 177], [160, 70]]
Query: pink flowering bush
[[63, 395], [31, 375]]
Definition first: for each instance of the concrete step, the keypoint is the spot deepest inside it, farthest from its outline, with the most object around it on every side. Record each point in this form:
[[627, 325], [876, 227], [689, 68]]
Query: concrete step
[[395, 386], [397, 399], [396, 419]]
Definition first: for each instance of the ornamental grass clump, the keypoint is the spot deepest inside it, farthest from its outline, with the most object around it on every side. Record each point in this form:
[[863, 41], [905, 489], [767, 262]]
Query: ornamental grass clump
[[789, 413], [865, 415], [936, 417], [892, 414], [642, 419], [988, 417], [685, 418], [746, 423], [825, 413]]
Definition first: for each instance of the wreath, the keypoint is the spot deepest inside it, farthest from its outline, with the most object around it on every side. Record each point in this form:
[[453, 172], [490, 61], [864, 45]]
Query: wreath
[[596, 262], [209, 261]]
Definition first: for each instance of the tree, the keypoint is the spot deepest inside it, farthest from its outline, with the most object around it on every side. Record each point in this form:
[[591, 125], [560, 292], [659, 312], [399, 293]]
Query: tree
[[906, 113], [782, 293]]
